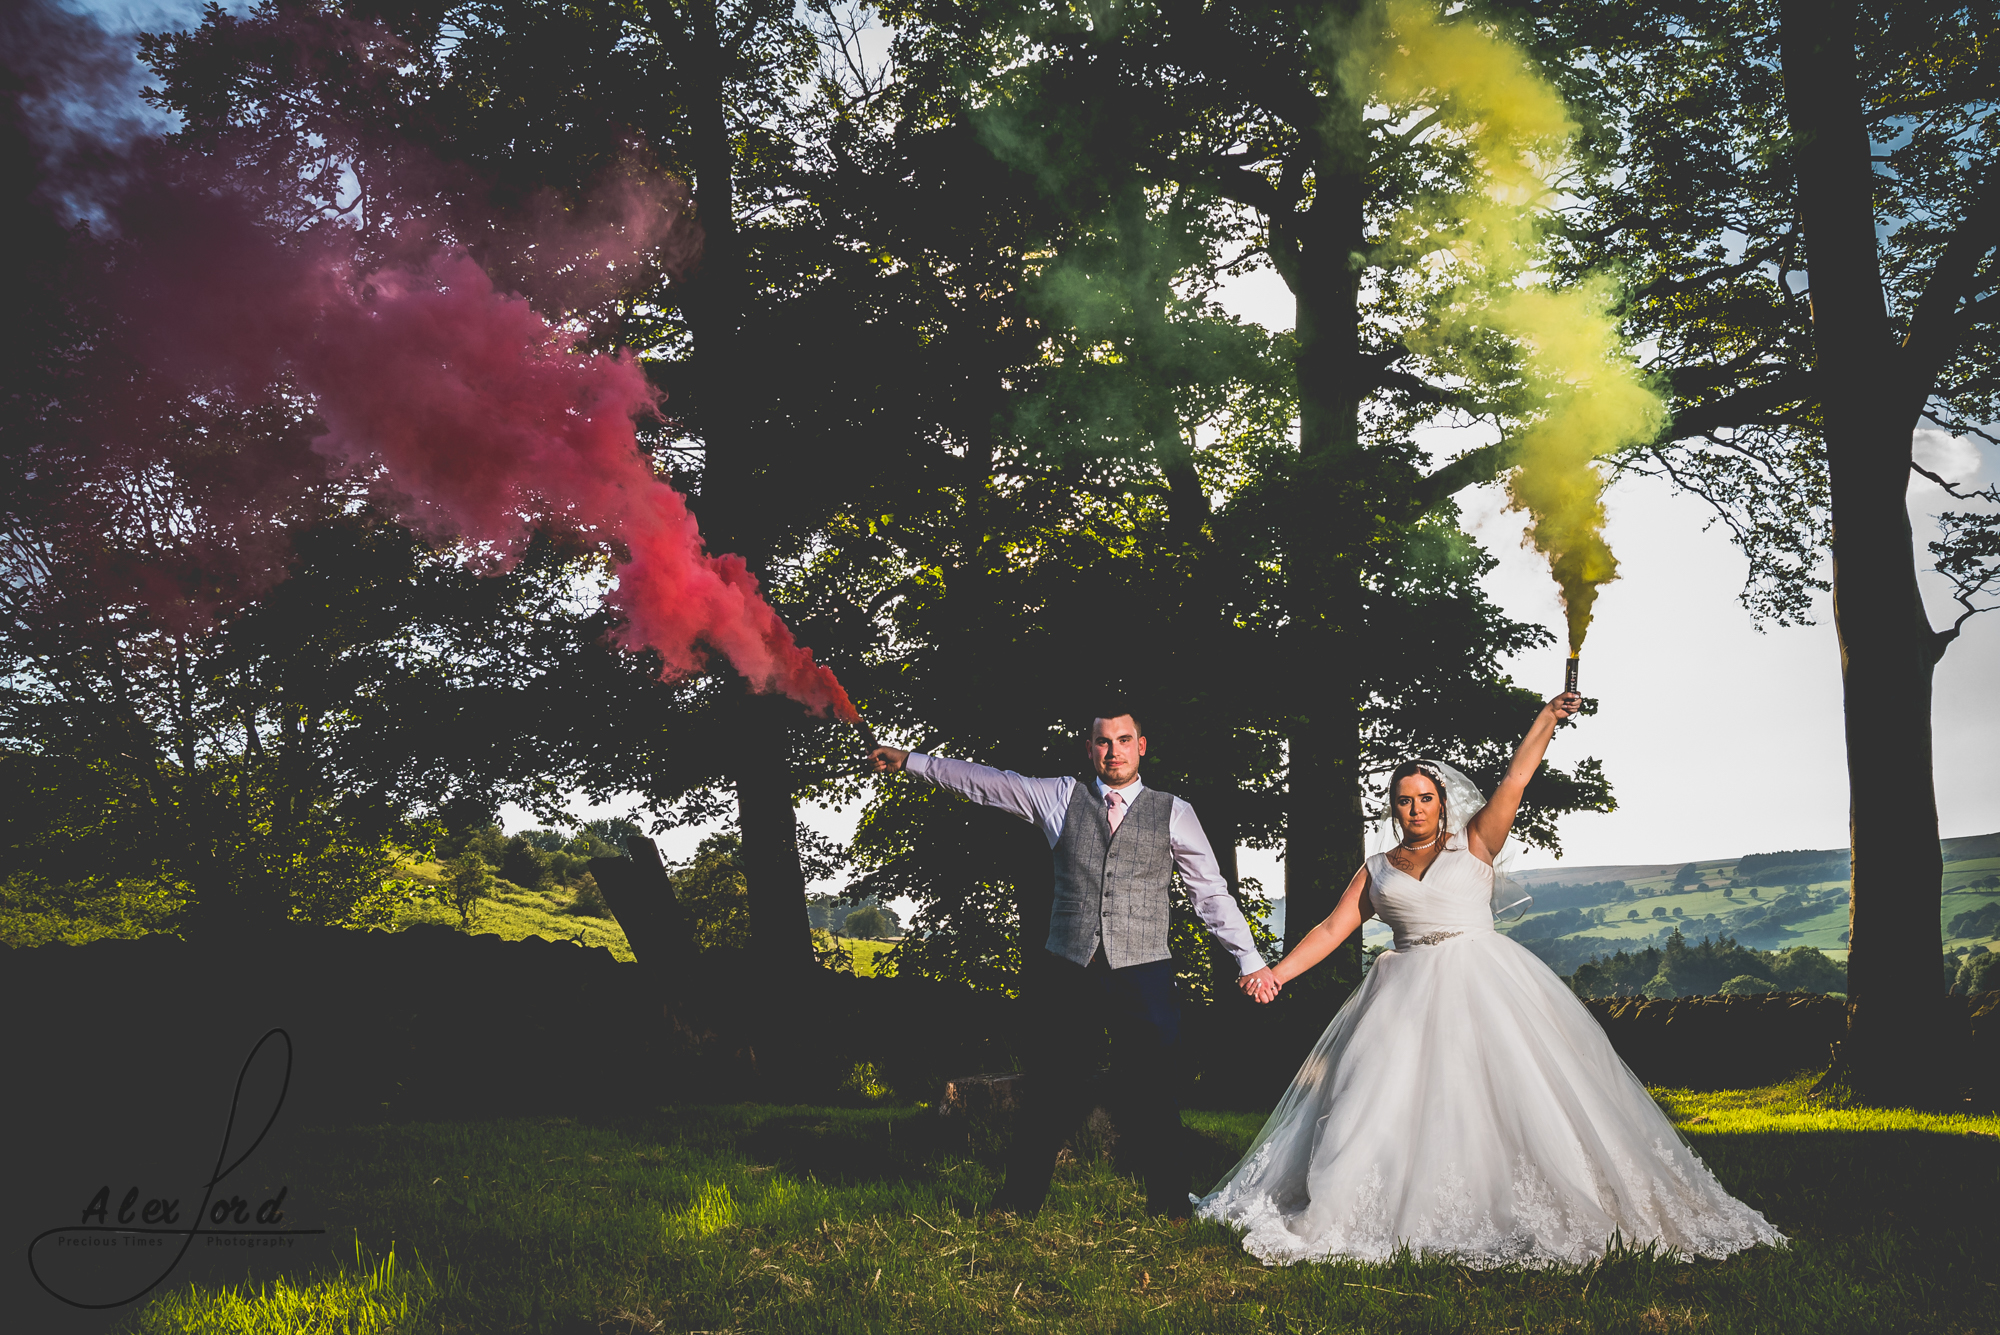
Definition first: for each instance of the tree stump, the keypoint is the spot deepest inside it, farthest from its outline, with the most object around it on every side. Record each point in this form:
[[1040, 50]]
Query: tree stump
[[980, 1113]]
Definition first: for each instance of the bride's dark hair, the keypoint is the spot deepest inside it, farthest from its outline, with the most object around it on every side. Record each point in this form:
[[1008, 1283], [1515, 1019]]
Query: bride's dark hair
[[1420, 769]]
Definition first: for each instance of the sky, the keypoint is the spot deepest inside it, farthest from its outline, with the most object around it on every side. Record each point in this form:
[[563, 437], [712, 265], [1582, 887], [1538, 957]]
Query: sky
[[1719, 738]]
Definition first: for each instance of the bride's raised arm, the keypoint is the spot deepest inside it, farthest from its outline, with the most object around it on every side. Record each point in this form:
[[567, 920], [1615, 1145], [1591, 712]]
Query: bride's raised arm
[[1346, 918], [1488, 830]]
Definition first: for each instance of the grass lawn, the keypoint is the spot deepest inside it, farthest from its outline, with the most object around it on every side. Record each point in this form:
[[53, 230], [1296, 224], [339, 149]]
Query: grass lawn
[[760, 1218], [866, 953]]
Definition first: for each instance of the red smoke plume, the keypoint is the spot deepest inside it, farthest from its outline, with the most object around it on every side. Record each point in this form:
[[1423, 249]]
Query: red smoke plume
[[483, 420], [465, 409]]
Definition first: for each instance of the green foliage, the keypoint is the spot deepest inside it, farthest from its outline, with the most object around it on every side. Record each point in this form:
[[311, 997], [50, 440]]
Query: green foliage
[[588, 901], [610, 832], [34, 912], [1982, 921], [524, 864], [712, 891], [1694, 193], [487, 842], [546, 841], [1798, 865], [467, 881], [864, 1085], [867, 921], [1976, 973], [1202, 966], [587, 845], [1682, 970]]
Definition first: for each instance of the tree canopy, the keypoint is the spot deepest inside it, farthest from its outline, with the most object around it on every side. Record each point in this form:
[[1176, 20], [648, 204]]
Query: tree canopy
[[944, 365], [1806, 203]]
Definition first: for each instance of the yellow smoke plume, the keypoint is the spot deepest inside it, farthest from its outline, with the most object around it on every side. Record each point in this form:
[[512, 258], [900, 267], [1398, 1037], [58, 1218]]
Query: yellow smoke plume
[[1555, 359]]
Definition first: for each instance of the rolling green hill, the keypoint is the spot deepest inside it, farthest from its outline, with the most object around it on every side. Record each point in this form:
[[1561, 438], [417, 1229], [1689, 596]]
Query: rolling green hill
[[1766, 901]]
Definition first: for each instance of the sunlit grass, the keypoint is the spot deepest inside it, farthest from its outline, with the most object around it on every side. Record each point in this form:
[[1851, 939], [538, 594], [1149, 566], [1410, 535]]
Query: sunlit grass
[[373, 1296], [867, 954], [513, 913], [1787, 1108]]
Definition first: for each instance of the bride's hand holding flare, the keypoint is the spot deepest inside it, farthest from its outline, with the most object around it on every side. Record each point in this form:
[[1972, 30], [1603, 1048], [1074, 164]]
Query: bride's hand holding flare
[[1488, 830]]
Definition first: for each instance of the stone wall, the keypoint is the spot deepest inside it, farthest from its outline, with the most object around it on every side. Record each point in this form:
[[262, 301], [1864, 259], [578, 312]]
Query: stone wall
[[430, 1021], [433, 1022]]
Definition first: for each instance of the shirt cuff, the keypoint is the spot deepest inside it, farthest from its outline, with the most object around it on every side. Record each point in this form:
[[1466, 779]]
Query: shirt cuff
[[917, 763]]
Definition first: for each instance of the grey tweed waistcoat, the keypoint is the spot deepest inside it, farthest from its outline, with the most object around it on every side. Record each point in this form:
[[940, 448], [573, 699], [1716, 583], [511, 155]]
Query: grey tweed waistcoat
[[1113, 887]]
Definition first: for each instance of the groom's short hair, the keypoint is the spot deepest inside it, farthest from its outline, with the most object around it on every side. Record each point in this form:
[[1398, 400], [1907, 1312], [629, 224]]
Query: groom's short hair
[[1112, 709]]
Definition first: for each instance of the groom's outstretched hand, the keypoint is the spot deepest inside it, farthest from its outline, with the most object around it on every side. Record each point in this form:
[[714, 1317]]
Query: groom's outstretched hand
[[1260, 986], [886, 759]]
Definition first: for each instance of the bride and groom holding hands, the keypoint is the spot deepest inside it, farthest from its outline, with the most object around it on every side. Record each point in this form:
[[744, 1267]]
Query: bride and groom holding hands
[[1462, 1101]]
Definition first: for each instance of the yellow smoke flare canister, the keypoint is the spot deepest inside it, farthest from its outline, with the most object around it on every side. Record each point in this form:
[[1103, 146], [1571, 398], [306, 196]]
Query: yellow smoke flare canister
[[1569, 676]]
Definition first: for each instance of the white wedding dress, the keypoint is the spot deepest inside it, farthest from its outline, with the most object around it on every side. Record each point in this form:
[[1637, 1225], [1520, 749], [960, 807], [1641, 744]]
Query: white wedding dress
[[1464, 1102]]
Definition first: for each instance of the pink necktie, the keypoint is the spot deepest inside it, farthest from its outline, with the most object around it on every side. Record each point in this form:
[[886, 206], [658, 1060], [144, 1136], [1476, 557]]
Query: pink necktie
[[1114, 802]]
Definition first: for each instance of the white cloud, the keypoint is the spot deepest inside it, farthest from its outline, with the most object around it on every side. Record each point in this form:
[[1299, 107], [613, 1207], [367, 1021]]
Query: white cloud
[[1953, 458]]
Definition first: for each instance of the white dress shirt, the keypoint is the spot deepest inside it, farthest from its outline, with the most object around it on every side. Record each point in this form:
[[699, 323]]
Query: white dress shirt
[[1046, 803]]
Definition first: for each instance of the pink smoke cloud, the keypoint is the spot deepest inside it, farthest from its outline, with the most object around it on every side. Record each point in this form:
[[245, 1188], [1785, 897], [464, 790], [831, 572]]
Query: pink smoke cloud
[[484, 423], [466, 410]]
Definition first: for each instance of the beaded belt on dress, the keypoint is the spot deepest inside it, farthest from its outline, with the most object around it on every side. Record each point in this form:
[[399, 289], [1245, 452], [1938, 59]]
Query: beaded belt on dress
[[1431, 938]]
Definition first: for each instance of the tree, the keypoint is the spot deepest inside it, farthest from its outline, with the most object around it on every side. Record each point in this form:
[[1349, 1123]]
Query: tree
[[1183, 141], [827, 250], [714, 891], [467, 881], [867, 921], [496, 129], [1717, 965], [524, 864], [1806, 200], [610, 832]]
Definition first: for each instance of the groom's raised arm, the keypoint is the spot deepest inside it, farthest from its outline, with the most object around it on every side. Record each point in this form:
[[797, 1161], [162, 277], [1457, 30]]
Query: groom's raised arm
[[1213, 903], [1041, 801]]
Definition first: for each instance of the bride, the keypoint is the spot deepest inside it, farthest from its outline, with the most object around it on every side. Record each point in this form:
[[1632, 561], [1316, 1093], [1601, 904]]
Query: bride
[[1463, 1102]]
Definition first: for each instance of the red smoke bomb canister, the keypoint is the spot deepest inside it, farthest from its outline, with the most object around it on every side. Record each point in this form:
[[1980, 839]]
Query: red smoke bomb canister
[[1569, 675], [868, 744]]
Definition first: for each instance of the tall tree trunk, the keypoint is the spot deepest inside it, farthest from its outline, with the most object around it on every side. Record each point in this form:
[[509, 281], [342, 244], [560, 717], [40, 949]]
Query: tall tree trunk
[[1323, 841], [717, 308], [1897, 1043], [780, 931]]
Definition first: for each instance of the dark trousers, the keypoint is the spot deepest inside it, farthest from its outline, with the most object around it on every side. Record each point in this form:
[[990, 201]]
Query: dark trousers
[[1069, 1009]]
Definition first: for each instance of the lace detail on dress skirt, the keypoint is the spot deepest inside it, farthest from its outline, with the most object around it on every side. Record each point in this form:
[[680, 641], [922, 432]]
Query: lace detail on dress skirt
[[1464, 1103]]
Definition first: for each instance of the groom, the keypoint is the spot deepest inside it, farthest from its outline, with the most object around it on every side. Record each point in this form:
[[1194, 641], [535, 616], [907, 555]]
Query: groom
[[1116, 844]]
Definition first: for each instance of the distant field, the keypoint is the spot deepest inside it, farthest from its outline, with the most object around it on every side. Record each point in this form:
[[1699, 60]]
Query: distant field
[[867, 953], [513, 913], [1811, 910]]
